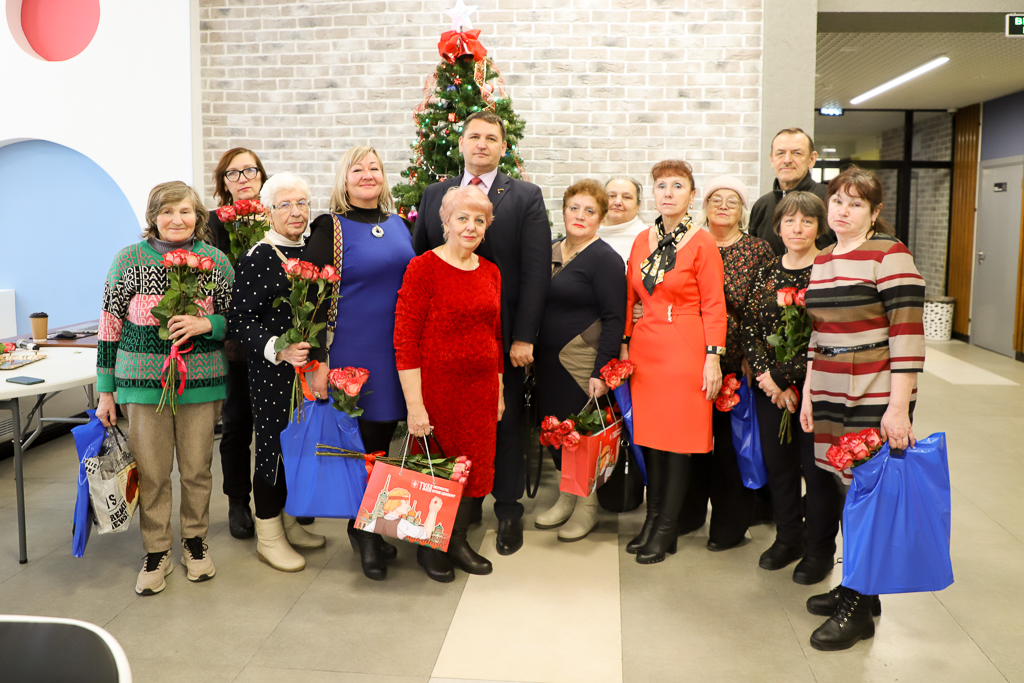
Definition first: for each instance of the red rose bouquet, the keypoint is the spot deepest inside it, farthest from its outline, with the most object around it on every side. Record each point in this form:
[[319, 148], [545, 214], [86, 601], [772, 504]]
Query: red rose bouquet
[[616, 371], [854, 449], [246, 223], [790, 339], [188, 289], [347, 383], [727, 397], [566, 434], [302, 274]]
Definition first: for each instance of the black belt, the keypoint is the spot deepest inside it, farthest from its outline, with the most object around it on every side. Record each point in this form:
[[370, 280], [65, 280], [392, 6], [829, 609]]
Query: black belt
[[836, 350]]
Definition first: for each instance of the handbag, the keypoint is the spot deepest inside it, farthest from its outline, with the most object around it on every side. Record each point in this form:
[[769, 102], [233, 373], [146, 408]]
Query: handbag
[[88, 441], [746, 439], [323, 485], [896, 521], [624, 490], [113, 480], [588, 467], [409, 506], [529, 428]]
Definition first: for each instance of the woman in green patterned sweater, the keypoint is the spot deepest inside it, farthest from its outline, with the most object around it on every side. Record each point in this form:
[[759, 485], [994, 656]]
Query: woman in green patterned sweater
[[130, 357]]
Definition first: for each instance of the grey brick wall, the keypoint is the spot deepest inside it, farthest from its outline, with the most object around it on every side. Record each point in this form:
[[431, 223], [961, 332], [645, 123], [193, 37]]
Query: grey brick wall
[[605, 86]]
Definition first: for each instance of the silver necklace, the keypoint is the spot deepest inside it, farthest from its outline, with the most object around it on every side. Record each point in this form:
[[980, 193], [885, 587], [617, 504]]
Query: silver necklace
[[376, 230]]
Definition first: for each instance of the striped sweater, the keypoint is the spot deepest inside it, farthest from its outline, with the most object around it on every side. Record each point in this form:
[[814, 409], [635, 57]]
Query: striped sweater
[[130, 352], [869, 295]]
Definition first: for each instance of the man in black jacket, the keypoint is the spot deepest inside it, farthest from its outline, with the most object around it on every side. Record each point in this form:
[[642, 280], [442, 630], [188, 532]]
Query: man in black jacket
[[519, 243], [793, 156]]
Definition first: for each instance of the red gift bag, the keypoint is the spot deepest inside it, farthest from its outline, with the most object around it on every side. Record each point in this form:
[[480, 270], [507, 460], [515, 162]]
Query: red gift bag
[[588, 467], [406, 505]]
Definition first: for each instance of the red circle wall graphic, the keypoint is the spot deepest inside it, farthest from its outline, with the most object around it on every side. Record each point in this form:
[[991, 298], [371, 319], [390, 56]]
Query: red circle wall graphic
[[59, 29]]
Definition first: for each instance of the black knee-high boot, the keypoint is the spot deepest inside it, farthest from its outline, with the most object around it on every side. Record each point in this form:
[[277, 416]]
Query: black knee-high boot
[[676, 478], [459, 551], [371, 556], [653, 460]]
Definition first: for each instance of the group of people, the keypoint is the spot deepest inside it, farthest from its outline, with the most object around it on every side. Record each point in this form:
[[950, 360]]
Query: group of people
[[449, 314]]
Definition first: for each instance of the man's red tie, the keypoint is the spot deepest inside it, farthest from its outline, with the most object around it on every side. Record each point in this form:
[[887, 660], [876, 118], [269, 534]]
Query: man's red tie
[[475, 180]]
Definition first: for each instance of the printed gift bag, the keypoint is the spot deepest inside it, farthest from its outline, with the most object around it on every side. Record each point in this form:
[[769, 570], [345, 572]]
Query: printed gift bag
[[113, 483], [321, 484], [409, 506], [588, 467]]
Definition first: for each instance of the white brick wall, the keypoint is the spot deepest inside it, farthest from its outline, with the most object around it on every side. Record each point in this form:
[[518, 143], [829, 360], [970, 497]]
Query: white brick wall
[[605, 86]]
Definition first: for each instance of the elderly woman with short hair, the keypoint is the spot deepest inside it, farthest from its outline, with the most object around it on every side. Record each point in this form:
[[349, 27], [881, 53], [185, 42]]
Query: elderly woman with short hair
[[581, 331], [129, 341], [256, 324], [622, 223], [448, 347]]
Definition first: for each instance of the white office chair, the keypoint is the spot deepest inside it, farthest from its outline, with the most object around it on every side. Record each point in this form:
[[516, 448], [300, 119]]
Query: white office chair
[[59, 651]]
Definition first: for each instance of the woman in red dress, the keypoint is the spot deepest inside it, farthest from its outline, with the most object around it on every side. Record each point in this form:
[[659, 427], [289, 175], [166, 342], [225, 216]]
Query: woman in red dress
[[449, 351]]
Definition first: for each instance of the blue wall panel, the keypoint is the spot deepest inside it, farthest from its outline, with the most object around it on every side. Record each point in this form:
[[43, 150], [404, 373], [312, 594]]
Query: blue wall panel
[[65, 218], [1002, 127]]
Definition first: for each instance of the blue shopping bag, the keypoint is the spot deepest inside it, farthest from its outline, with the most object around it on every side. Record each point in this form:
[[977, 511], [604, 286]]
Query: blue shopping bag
[[88, 440], [896, 522], [323, 485], [625, 401], [746, 439]]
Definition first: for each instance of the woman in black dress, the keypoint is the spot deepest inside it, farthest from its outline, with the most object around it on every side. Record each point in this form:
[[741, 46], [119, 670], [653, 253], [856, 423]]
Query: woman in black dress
[[256, 324], [584, 319]]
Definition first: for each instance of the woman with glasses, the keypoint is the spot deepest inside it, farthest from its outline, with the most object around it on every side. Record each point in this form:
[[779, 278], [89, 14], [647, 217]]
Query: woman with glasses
[[257, 324], [239, 175], [716, 475], [581, 331], [371, 246]]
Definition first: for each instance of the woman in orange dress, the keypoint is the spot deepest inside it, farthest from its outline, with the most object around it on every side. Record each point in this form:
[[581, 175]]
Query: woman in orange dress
[[676, 272]]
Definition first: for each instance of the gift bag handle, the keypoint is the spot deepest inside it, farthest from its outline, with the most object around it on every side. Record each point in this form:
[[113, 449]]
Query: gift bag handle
[[426, 450]]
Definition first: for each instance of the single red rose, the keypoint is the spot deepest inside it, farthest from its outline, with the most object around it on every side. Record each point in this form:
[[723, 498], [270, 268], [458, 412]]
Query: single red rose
[[292, 267], [571, 441], [848, 441], [860, 451], [726, 392], [731, 381], [838, 458], [167, 261], [192, 259], [556, 439], [726, 403], [206, 264], [226, 214], [354, 380], [255, 207], [308, 271], [330, 273], [800, 297], [243, 207], [566, 426], [9, 347], [549, 424], [871, 438]]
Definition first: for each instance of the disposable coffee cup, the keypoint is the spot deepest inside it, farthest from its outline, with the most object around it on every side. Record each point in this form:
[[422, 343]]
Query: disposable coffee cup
[[39, 322]]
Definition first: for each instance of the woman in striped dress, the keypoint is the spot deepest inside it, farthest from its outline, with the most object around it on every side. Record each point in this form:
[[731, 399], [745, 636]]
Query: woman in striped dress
[[866, 300]]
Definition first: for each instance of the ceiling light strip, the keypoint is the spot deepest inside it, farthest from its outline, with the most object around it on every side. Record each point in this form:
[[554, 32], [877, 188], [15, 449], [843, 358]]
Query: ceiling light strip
[[899, 80]]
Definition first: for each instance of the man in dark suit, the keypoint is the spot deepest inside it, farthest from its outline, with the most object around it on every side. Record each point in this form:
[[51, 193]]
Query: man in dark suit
[[519, 243]]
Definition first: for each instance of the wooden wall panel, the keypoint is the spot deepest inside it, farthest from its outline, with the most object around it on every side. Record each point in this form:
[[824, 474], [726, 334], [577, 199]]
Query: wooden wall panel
[[961, 230]]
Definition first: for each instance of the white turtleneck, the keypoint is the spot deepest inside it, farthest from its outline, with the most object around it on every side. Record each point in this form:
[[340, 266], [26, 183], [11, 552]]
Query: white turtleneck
[[621, 237]]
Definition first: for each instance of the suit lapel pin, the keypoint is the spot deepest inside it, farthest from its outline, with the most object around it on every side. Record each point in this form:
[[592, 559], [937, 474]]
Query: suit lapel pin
[[500, 190]]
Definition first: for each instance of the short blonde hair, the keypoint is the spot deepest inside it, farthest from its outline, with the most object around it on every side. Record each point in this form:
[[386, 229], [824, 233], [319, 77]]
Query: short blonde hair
[[339, 195], [175, 192], [470, 198]]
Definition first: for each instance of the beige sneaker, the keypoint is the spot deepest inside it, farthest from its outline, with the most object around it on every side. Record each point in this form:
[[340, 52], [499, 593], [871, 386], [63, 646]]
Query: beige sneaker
[[299, 537], [155, 566], [196, 558]]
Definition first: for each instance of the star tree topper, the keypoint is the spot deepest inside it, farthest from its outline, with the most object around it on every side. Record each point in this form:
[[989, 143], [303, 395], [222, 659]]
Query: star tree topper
[[460, 15]]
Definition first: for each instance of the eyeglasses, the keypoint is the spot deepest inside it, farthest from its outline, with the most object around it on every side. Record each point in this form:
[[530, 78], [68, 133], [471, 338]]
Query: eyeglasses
[[301, 205], [249, 173], [717, 202]]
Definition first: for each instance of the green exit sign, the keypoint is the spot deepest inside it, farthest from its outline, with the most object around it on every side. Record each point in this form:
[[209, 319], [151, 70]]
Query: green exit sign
[[1015, 24]]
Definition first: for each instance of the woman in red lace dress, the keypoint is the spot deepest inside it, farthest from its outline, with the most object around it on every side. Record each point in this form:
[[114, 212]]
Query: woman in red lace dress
[[449, 352]]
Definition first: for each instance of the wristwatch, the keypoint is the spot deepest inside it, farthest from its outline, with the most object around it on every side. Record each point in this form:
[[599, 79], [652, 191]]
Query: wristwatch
[[717, 350]]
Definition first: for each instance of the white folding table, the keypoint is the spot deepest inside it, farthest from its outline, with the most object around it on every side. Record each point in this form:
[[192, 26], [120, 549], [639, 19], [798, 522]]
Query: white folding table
[[63, 368]]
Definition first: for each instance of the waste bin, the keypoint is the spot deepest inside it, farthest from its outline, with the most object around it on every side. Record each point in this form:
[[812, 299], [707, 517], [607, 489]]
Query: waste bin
[[938, 318]]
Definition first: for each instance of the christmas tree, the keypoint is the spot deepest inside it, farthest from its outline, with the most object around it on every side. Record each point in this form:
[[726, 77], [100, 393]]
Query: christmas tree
[[465, 81]]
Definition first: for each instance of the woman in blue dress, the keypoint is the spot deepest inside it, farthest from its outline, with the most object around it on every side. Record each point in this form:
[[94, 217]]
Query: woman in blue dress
[[371, 246]]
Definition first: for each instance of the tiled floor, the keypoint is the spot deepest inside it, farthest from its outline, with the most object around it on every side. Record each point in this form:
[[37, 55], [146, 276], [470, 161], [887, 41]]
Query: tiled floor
[[552, 612]]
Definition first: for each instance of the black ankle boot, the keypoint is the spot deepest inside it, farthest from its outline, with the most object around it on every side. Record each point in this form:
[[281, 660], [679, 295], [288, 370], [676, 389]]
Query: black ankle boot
[[435, 563], [825, 604], [370, 555], [653, 461], [665, 538], [459, 551], [851, 622]]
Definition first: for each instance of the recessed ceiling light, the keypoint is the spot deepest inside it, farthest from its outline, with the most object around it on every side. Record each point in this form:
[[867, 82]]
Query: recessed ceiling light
[[829, 150], [899, 80]]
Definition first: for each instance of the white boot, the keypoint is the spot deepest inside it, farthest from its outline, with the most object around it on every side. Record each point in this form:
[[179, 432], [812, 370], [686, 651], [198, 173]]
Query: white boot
[[273, 548], [558, 514], [583, 520], [299, 537]]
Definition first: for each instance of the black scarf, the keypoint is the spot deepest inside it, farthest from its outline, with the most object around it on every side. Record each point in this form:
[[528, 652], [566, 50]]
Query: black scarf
[[663, 258]]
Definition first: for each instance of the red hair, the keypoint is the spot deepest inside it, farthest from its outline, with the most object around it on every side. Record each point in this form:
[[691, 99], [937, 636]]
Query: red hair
[[673, 167]]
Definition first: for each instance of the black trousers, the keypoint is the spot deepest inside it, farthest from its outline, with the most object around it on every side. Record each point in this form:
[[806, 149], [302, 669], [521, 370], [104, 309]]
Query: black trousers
[[236, 434], [509, 472], [787, 463], [376, 435], [715, 476], [268, 499]]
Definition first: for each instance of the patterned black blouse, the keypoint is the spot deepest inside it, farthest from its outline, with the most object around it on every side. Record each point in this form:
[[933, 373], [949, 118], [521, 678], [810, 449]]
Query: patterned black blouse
[[742, 259], [763, 318]]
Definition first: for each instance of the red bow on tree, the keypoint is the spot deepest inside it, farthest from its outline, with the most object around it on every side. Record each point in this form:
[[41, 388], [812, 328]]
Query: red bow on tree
[[454, 44]]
